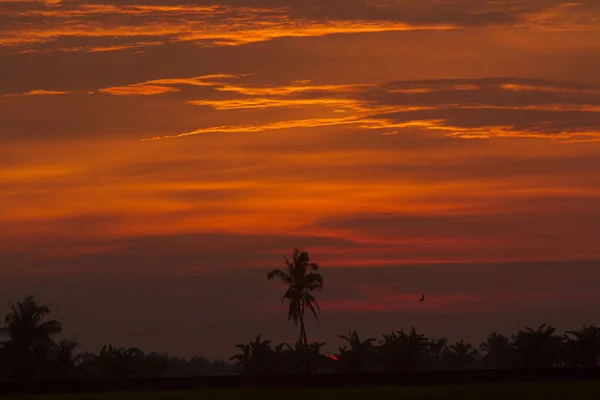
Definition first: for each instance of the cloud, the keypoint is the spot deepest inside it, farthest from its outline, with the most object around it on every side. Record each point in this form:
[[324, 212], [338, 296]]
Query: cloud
[[161, 86], [307, 123], [232, 23], [262, 103], [452, 108], [205, 25], [138, 90], [467, 108], [40, 92]]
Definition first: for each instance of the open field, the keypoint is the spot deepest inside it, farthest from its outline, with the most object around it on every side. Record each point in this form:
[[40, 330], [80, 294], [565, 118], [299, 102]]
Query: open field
[[579, 391]]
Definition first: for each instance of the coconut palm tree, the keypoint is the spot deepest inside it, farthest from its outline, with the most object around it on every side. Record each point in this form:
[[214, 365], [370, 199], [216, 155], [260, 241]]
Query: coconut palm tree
[[400, 351], [305, 358], [30, 344], [255, 357], [436, 350], [301, 282], [64, 360], [583, 346], [354, 356], [461, 355], [539, 348], [498, 351], [115, 363]]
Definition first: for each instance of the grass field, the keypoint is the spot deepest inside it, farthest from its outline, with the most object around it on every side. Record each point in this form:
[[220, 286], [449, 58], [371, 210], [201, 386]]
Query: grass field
[[578, 391]]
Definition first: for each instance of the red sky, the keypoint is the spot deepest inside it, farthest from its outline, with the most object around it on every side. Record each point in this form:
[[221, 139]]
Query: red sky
[[159, 156]]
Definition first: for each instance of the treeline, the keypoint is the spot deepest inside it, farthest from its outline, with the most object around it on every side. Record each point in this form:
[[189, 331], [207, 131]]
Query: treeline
[[30, 353], [401, 351]]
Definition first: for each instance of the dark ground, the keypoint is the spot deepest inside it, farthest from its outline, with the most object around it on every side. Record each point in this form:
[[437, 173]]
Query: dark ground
[[550, 391]]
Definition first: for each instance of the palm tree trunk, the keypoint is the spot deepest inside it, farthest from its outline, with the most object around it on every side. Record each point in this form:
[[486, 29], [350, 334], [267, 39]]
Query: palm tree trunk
[[303, 337]]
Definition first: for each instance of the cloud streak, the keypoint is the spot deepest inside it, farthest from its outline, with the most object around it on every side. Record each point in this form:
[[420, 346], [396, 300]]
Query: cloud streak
[[161, 86], [483, 108], [35, 25], [39, 92]]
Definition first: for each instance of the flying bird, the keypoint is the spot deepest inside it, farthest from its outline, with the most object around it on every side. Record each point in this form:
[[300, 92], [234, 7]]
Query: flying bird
[[422, 297]]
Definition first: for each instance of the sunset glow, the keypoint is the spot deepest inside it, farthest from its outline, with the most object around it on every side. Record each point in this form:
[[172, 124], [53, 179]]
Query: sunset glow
[[179, 149]]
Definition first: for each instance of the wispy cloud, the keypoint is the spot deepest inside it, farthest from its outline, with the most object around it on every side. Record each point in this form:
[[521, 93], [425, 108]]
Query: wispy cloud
[[205, 26], [236, 23], [481, 108], [306, 123], [40, 92], [252, 103], [160, 86]]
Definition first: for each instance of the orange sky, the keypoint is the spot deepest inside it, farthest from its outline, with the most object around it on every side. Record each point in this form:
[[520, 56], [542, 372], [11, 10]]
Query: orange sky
[[161, 155]]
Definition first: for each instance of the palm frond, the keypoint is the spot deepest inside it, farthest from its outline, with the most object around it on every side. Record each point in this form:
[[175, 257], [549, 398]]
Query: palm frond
[[279, 274], [51, 327], [314, 281], [311, 307]]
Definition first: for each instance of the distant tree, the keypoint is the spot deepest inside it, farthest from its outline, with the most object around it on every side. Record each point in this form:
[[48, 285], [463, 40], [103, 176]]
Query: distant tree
[[498, 351], [305, 358], [28, 351], [301, 283], [540, 348], [400, 351], [280, 360], [436, 350], [154, 365], [255, 357], [220, 367], [461, 355], [120, 363], [354, 357], [583, 347], [64, 360], [163, 365]]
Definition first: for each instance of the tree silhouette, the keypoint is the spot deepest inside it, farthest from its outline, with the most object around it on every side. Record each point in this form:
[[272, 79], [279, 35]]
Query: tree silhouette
[[301, 282], [64, 360], [305, 358], [120, 363], [436, 351], [354, 356], [461, 355], [255, 357], [540, 348], [498, 351], [403, 352], [583, 346], [30, 345]]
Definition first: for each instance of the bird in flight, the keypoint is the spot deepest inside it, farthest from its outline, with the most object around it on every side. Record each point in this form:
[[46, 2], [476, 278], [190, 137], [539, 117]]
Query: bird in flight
[[422, 297]]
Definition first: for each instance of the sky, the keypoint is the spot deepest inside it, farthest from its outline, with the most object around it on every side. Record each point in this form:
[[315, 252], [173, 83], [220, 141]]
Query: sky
[[159, 157]]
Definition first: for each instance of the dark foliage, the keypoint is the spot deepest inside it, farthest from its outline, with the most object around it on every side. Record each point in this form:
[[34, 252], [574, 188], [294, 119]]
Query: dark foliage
[[31, 353]]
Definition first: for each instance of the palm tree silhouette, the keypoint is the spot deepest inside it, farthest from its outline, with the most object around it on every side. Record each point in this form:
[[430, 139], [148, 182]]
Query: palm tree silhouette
[[461, 355], [300, 283], [403, 352], [30, 343], [354, 358], [254, 357], [64, 359], [437, 349], [498, 351], [583, 346], [540, 348], [117, 363], [305, 358]]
